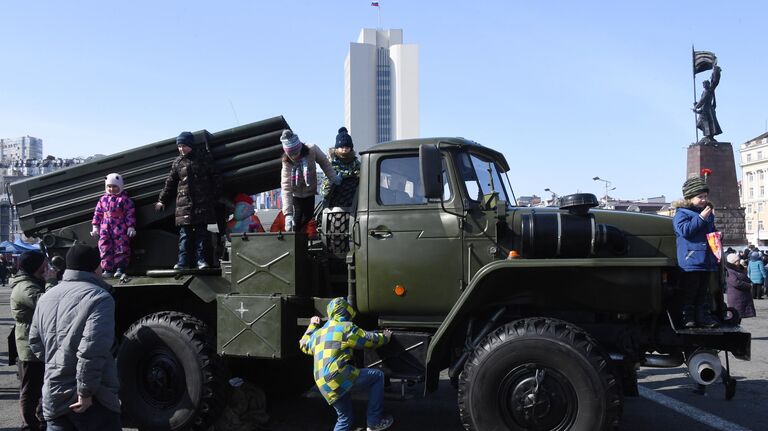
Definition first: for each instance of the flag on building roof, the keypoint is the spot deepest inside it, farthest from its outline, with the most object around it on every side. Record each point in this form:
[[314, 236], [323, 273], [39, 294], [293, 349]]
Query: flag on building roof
[[375, 4], [703, 60]]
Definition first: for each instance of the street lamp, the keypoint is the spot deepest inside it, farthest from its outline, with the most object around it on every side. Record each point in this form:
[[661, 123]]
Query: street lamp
[[554, 196], [607, 188]]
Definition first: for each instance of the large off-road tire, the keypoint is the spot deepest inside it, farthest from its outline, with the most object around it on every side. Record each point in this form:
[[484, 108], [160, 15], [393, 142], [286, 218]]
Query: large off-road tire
[[576, 390], [171, 379]]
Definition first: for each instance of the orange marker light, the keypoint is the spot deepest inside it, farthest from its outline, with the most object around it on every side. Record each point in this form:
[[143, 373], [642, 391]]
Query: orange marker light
[[513, 254], [399, 290]]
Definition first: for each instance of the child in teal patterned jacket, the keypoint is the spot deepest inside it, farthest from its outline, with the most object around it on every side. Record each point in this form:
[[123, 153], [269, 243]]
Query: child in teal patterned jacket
[[331, 346]]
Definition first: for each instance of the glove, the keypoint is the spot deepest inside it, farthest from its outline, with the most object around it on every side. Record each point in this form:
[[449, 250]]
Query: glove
[[289, 223], [336, 180], [95, 232], [159, 206], [131, 232]]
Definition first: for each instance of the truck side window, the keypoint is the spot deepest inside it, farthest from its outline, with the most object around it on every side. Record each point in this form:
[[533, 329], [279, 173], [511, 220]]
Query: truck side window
[[400, 184]]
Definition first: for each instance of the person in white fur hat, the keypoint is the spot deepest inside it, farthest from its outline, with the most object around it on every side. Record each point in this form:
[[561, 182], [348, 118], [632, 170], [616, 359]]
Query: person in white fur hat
[[114, 223]]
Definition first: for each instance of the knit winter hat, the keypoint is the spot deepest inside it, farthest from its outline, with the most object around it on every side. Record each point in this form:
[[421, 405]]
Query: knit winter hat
[[114, 179], [343, 139], [291, 143], [694, 186], [242, 197], [30, 261], [82, 257], [185, 138], [733, 258]]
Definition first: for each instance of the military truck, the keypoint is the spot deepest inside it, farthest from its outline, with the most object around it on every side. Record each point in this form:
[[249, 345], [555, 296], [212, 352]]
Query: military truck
[[541, 316]]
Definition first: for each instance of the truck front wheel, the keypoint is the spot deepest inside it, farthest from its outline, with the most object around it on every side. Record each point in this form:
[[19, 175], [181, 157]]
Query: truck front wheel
[[541, 374], [170, 377]]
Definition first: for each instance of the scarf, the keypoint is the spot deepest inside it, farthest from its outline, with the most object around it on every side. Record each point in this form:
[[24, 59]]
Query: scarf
[[300, 170]]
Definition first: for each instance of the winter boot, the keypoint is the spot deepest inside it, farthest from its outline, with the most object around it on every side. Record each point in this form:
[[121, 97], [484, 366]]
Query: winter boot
[[704, 317], [689, 316]]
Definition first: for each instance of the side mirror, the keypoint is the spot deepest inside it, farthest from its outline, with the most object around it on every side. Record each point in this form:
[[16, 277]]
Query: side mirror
[[430, 168]]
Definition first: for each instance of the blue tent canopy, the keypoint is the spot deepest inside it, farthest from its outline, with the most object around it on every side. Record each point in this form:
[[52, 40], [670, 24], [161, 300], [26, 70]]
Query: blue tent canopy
[[26, 247], [17, 247]]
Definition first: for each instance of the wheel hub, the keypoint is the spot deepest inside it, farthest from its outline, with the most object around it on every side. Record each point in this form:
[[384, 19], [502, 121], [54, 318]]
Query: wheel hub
[[537, 398], [162, 375]]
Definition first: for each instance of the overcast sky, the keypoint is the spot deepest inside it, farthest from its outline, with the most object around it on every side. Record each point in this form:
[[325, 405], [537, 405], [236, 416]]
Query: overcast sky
[[566, 90]]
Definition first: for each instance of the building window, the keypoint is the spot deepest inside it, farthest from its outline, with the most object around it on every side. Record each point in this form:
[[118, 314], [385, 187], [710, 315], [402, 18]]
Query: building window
[[749, 157], [749, 177], [759, 155], [383, 97], [751, 192], [749, 226], [762, 191], [749, 208], [759, 207], [760, 176], [760, 225]]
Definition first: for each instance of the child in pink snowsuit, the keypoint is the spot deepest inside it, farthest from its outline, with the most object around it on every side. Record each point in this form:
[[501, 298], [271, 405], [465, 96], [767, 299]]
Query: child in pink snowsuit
[[114, 223]]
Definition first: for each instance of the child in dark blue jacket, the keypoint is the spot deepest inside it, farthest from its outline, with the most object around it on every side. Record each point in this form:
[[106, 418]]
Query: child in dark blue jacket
[[692, 222]]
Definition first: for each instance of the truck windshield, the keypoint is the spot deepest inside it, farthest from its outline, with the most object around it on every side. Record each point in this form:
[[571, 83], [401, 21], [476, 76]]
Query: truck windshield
[[481, 178]]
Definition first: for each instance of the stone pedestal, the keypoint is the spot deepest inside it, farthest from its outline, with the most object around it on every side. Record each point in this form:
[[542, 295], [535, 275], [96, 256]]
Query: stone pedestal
[[723, 187]]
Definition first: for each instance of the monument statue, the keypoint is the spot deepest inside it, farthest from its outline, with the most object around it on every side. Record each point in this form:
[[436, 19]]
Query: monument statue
[[712, 158], [706, 105]]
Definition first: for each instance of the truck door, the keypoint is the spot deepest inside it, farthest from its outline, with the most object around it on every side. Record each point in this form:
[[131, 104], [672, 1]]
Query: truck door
[[410, 242]]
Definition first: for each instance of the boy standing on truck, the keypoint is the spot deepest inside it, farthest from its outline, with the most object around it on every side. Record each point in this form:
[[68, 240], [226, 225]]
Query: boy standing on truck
[[194, 184], [692, 222], [331, 346]]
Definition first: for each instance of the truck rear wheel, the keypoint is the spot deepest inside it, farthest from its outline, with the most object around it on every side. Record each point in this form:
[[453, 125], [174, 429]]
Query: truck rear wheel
[[170, 377], [541, 374]]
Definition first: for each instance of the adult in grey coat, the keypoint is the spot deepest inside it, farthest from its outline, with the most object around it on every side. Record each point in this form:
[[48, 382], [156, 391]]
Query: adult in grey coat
[[72, 332]]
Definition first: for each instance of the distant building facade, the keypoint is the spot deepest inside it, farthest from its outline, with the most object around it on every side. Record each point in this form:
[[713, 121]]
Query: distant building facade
[[529, 201], [754, 173], [25, 147], [19, 170], [381, 88]]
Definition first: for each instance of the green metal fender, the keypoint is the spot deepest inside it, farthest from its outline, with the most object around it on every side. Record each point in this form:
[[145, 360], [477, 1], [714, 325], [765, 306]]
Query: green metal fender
[[472, 297]]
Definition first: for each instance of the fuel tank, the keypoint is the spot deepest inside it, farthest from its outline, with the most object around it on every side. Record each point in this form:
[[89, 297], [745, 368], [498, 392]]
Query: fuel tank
[[569, 233]]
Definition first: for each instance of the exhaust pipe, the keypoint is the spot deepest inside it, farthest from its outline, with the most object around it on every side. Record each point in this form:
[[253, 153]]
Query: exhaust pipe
[[704, 366]]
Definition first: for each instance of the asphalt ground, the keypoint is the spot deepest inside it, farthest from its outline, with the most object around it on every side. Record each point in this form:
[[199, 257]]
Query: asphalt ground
[[667, 401]]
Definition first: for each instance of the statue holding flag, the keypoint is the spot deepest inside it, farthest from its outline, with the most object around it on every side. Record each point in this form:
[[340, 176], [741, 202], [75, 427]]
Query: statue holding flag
[[705, 107]]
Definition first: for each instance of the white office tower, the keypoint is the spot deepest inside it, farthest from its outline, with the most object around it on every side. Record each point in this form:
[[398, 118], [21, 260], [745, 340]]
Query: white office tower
[[381, 88]]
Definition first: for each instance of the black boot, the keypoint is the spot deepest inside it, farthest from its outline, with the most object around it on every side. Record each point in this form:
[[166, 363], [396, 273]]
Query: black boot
[[704, 317], [689, 316]]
